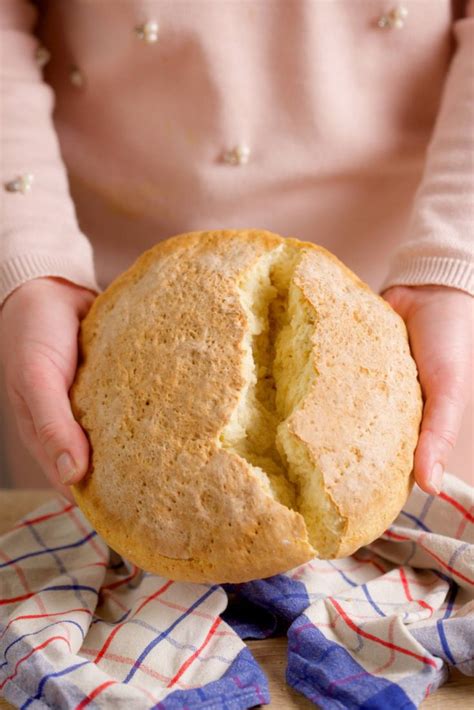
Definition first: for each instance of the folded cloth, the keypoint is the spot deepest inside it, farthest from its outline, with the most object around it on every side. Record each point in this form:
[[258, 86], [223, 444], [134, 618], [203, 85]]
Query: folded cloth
[[80, 627]]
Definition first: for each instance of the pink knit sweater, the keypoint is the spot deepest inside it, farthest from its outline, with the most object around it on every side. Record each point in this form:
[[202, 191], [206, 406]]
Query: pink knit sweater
[[333, 103], [344, 122]]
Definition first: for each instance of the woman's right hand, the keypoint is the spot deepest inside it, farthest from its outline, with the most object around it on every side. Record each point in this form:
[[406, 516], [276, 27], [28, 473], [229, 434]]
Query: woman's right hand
[[39, 324]]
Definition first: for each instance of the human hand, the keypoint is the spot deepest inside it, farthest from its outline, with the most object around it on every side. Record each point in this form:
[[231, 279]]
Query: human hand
[[39, 323], [440, 327]]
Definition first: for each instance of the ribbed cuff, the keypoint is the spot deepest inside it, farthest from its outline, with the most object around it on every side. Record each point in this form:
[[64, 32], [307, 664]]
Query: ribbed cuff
[[26, 267], [432, 270]]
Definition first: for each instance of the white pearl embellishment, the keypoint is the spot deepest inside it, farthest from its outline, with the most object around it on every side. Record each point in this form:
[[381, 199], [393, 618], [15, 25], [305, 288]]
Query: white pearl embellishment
[[22, 183], [148, 32], [42, 56], [76, 77], [395, 19], [237, 156]]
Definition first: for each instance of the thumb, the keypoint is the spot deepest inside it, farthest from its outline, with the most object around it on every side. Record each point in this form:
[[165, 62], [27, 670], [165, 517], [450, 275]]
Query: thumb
[[58, 434], [444, 407]]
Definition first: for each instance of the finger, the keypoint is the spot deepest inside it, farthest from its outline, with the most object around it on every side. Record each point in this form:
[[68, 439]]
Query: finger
[[28, 436], [59, 435], [440, 427]]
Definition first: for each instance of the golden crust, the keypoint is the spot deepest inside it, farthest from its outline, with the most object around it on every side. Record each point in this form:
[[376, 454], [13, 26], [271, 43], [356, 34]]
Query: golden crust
[[361, 420], [160, 489]]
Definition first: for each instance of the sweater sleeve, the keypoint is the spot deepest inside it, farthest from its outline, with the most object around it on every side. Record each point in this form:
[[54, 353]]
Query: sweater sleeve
[[439, 244], [39, 233]]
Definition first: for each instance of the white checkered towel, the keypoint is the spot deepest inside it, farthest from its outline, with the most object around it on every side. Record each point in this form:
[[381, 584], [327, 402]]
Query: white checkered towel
[[80, 627]]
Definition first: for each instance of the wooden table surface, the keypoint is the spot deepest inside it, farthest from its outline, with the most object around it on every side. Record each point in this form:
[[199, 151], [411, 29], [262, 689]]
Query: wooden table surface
[[457, 693]]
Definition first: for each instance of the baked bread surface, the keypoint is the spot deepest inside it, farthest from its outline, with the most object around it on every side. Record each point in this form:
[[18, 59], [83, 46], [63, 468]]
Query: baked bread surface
[[250, 404]]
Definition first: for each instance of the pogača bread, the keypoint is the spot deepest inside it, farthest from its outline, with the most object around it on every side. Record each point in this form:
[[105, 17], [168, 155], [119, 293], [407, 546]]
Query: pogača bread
[[250, 405]]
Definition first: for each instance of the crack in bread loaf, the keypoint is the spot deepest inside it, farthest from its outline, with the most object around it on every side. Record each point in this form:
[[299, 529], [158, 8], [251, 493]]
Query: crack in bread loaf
[[279, 372], [250, 404], [251, 431]]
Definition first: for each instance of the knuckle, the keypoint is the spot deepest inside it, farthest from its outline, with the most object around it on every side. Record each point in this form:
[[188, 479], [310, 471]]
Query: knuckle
[[448, 437], [48, 435], [448, 440]]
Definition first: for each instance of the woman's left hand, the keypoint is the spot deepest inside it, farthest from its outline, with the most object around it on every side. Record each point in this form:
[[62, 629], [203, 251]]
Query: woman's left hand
[[440, 327]]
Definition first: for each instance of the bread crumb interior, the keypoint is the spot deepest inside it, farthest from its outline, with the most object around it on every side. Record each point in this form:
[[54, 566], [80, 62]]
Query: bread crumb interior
[[279, 372]]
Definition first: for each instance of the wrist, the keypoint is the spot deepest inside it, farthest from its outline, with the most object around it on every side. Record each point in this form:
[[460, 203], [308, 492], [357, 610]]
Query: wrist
[[79, 298], [407, 299]]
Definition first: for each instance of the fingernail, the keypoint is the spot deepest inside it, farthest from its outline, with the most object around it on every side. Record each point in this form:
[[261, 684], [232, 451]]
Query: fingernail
[[66, 468], [437, 477]]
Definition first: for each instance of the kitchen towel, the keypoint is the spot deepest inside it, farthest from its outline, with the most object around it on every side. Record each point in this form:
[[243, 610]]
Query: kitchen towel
[[80, 627]]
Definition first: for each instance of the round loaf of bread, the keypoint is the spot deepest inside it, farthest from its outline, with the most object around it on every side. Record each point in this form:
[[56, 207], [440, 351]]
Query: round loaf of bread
[[250, 405]]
